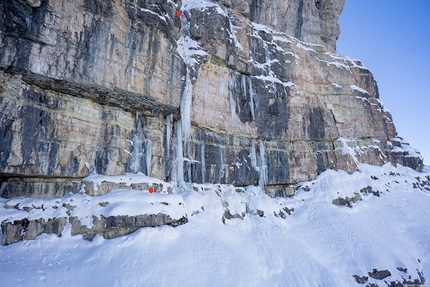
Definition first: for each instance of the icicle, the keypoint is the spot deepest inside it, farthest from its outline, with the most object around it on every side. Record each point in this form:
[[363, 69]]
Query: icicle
[[137, 151], [183, 129], [168, 132], [202, 151], [262, 180], [262, 165], [148, 156], [243, 82], [179, 154], [190, 162], [222, 172], [251, 99], [186, 100], [232, 87], [253, 156]]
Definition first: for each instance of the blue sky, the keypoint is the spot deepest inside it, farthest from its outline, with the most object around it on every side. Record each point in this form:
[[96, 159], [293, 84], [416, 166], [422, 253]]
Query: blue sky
[[392, 38]]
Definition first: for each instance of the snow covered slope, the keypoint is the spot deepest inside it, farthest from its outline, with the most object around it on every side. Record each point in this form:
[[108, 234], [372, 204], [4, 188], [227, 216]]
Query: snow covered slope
[[318, 244]]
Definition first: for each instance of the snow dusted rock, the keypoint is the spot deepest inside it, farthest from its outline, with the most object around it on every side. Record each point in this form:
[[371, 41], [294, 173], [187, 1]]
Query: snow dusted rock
[[360, 280], [110, 227], [96, 86], [379, 274], [105, 187], [123, 211], [307, 20], [117, 213], [115, 226], [30, 229], [405, 155]]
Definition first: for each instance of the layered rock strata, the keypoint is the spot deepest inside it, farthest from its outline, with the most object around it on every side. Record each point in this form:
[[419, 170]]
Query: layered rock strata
[[94, 85]]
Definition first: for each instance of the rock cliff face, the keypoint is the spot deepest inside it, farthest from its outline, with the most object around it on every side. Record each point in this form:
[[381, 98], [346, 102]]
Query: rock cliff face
[[233, 91]]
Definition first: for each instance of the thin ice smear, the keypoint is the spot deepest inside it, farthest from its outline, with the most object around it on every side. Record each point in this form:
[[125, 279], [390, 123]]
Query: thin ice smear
[[148, 156], [259, 164], [232, 88], [137, 149], [251, 99], [169, 119], [262, 169]]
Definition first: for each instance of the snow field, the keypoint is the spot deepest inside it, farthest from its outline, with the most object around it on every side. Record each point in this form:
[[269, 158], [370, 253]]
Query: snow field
[[319, 244]]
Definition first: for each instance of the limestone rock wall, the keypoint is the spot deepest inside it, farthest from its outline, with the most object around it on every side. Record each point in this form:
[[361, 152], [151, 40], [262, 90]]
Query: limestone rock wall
[[314, 21], [93, 85], [56, 139], [123, 45]]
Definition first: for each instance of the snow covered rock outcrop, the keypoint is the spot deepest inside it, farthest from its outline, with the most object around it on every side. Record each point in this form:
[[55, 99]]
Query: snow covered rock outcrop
[[109, 207], [113, 206], [236, 92]]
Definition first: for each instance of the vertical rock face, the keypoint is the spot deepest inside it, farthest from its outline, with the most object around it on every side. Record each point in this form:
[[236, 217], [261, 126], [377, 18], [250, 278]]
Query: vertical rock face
[[313, 21], [94, 85], [111, 44]]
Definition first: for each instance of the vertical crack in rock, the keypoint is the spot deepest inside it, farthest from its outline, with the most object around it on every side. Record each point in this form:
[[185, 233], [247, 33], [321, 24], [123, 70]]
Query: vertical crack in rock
[[299, 24]]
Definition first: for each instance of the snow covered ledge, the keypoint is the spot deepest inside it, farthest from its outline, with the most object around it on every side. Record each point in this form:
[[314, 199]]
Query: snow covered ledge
[[113, 206]]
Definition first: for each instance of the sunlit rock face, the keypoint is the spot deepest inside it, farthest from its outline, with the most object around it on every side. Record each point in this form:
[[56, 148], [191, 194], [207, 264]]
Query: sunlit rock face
[[96, 86], [313, 21]]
